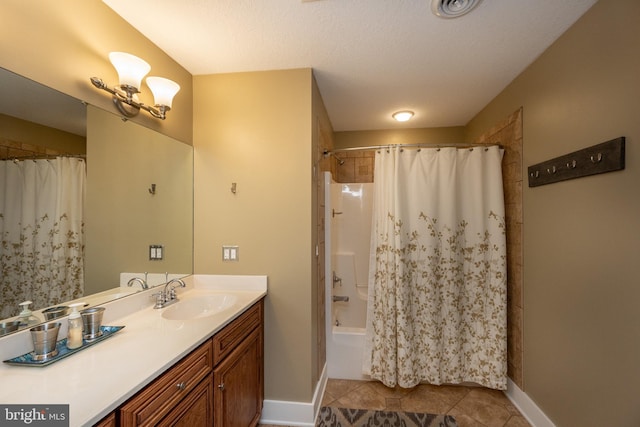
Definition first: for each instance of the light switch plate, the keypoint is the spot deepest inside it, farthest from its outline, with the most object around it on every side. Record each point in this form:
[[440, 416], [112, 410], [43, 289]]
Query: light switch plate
[[230, 253], [156, 252]]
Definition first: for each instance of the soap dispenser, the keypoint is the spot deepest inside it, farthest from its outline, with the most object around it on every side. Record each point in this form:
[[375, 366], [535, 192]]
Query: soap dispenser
[[25, 316], [74, 334]]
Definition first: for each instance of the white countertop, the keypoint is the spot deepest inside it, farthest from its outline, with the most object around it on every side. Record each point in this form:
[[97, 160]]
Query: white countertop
[[98, 379]]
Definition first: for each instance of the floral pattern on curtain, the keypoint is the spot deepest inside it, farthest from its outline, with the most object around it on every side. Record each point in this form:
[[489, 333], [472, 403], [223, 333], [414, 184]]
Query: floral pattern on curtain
[[42, 231], [437, 282]]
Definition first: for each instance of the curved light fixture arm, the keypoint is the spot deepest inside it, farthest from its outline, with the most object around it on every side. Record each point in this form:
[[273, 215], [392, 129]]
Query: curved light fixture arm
[[131, 70], [125, 102]]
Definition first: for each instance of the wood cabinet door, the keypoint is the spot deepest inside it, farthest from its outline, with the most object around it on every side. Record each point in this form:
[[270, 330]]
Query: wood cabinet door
[[195, 410], [238, 384]]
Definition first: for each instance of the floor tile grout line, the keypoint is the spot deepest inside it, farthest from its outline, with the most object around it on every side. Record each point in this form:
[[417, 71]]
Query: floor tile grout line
[[467, 391]]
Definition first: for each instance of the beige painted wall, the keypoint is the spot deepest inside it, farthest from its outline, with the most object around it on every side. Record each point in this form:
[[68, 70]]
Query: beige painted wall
[[63, 44], [22, 131], [121, 217], [581, 296], [255, 130]]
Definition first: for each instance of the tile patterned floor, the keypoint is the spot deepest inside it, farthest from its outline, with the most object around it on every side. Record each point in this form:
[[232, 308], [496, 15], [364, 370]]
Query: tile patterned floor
[[471, 406]]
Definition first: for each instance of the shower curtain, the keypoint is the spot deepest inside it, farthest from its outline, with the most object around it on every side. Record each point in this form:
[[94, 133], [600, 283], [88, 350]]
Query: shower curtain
[[41, 226], [437, 281]]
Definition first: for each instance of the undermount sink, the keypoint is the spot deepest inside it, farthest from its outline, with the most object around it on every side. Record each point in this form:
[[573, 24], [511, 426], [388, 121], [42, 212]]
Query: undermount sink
[[199, 306]]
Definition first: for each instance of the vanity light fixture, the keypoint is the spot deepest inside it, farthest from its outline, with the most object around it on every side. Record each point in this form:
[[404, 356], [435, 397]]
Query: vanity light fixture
[[402, 116], [131, 70]]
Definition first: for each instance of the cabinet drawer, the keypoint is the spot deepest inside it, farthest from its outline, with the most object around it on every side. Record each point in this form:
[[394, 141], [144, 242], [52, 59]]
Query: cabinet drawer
[[158, 398], [195, 410], [231, 335]]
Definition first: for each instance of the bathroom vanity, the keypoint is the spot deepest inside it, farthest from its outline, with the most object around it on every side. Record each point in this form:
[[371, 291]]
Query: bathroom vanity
[[221, 380], [183, 367]]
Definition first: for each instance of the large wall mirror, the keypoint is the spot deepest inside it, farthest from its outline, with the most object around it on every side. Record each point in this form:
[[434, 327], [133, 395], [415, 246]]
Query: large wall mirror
[[118, 190]]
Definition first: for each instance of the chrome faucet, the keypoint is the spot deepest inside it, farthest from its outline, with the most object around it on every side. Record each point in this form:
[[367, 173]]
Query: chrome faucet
[[168, 296], [170, 291], [143, 282]]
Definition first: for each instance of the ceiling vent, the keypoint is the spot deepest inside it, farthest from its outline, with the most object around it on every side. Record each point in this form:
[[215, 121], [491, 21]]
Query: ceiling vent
[[452, 8]]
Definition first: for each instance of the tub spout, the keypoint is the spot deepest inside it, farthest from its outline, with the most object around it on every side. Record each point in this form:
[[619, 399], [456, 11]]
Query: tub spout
[[339, 298]]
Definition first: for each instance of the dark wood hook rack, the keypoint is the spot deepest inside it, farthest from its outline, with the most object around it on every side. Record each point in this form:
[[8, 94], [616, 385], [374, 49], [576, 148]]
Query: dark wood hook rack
[[600, 158]]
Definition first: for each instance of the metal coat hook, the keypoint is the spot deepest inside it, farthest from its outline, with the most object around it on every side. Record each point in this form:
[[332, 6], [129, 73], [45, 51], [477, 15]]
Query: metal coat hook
[[152, 189], [233, 187], [601, 158]]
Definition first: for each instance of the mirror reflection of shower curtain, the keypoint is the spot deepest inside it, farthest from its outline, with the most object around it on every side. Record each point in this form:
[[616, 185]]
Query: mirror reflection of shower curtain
[[437, 281], [41, 226]]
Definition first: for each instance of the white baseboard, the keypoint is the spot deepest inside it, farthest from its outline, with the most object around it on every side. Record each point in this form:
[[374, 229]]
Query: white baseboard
[[283, 413], [526, 406]]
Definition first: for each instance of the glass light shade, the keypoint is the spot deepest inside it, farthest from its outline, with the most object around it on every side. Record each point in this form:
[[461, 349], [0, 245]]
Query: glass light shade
[[131, 69], [163, 90], [402, 116]]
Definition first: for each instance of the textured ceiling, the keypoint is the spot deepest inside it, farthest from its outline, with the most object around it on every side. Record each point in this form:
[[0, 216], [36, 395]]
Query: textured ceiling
[[370, 57]]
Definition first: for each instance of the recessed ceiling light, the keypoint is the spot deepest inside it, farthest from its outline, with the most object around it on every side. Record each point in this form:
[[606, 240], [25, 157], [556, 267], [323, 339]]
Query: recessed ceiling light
[[452, 8], [402, 116]]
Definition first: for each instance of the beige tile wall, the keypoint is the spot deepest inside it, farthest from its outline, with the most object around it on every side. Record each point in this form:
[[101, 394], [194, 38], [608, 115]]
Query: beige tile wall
[[325, 163], [508, 133], [357, 166], [12, 149]]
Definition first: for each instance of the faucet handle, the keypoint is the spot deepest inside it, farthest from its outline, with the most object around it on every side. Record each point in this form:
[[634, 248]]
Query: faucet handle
[[160, 299], [170, 288]]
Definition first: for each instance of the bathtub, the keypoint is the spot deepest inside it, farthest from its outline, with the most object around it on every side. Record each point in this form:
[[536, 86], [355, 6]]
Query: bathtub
[[344, 353], [345, 342]]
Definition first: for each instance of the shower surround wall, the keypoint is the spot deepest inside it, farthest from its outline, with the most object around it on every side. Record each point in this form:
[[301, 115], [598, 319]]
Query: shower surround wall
[[357, 166], [348, 228]]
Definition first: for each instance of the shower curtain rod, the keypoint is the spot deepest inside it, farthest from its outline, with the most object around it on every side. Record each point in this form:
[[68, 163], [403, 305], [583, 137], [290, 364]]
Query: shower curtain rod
[[44, 157], [423, 145]]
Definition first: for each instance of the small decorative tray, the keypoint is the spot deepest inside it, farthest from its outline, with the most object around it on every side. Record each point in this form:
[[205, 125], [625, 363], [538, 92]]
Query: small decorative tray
[[28, 359]]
